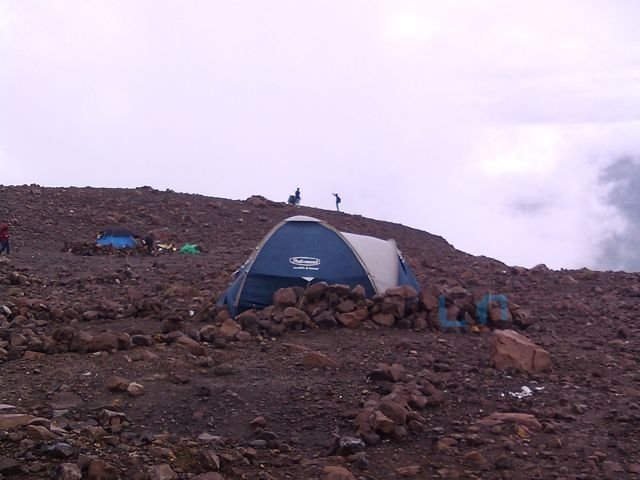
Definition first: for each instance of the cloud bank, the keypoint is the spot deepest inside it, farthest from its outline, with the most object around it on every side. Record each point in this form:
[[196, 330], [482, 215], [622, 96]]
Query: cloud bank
[[490, 123]]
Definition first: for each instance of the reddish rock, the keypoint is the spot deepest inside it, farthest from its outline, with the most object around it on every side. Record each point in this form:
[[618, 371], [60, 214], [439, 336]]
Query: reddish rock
[[353, 319], [208, 333], [394, 305], [324, 319], [428, 300], [285, 297], [316, 291], [394, 411], [420, 322], [336, 472], [476, 459], [209, 460], [499, 316], [259, 421], [39, 433], [29, 355], [99, 470], [104, 342], [346, 306], [498, 418], [248, 321], [124, 341], [229, 329], [408, 472], [209, 476], [117, 384], [68, 471], [194, 347], [509, 349], [384, 319], [162, 472], [405, 291], [393, 373], [294, 318], [13, 420], [81, 342], [358, 293], [381, 423], [318, 360], [135, 389], [445, 444]]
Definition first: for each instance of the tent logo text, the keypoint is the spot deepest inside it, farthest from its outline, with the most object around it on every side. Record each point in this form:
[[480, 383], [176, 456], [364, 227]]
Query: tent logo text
[[304, 262]]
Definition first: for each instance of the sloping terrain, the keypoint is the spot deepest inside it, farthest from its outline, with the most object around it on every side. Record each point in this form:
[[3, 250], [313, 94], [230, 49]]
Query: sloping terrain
[[255, 407]]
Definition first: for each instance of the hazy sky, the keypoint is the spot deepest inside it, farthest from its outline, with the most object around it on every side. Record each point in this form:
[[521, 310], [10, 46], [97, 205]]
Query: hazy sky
[[494, 123]]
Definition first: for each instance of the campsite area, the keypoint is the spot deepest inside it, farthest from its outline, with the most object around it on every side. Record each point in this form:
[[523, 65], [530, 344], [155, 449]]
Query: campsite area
[[118, 366]]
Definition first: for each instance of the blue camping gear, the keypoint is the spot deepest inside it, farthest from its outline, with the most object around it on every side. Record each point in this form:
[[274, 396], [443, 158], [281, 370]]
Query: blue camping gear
[[117, 237]]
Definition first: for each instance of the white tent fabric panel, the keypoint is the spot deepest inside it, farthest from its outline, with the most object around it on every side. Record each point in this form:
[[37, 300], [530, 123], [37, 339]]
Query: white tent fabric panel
[[302, 218], [380, 258]]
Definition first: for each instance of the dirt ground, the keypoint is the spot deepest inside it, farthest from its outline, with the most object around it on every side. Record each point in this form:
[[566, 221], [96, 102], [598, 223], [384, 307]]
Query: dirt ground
[[252, 408]]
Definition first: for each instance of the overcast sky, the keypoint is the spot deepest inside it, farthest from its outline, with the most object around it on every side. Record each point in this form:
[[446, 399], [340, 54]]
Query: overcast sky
[[500, 125]]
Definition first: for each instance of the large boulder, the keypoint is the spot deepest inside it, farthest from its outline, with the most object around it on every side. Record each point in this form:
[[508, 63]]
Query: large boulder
[[509, 349]]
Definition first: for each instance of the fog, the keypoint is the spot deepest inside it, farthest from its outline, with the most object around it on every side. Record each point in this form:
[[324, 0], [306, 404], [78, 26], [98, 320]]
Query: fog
[[502, 126]]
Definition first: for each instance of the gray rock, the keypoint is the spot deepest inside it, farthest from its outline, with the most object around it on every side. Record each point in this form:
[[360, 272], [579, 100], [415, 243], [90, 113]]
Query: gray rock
[[59, 450], [142, 340]]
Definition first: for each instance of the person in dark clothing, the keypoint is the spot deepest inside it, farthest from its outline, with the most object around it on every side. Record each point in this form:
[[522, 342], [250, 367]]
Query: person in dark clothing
[[295, 198], [4, 238], [338, 200], [149, 242]]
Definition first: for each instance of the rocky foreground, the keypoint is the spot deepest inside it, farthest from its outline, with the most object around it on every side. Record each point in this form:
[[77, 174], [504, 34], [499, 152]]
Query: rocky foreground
[[119, 366]]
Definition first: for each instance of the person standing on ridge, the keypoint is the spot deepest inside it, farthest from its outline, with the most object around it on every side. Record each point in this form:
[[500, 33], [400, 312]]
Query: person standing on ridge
[[297, 196], [338, 200], [4, 237]]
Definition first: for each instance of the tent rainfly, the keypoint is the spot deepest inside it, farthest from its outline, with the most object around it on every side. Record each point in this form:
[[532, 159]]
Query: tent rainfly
[[117, 237], [302, 250]]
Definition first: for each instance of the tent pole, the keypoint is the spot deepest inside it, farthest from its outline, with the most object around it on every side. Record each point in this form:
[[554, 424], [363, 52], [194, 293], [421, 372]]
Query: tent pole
[[303, 295]]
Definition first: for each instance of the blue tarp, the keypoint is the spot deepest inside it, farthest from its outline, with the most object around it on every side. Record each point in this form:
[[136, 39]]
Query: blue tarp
[[117, 238], [116, 242]]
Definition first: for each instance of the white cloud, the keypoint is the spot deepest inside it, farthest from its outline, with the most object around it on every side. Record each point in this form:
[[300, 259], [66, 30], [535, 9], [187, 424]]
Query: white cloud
[[482, 121]]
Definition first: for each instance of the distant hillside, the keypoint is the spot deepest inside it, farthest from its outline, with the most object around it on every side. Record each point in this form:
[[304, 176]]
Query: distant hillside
[[46, 218]]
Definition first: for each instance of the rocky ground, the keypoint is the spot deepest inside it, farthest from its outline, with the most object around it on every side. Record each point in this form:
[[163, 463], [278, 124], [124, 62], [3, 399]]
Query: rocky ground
[[117, 365]]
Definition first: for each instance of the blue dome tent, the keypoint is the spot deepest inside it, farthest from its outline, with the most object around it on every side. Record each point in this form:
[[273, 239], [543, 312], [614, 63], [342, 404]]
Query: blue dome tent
[[302, 250]]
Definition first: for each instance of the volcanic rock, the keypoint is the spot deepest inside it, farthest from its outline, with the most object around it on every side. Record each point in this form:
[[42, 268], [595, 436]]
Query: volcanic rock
[[318, 360], [13, 420], [229, 329], [498, 418], [509, 349], [162, 472], [100, 470], [115, 383], [336, 472], [67, 471]]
